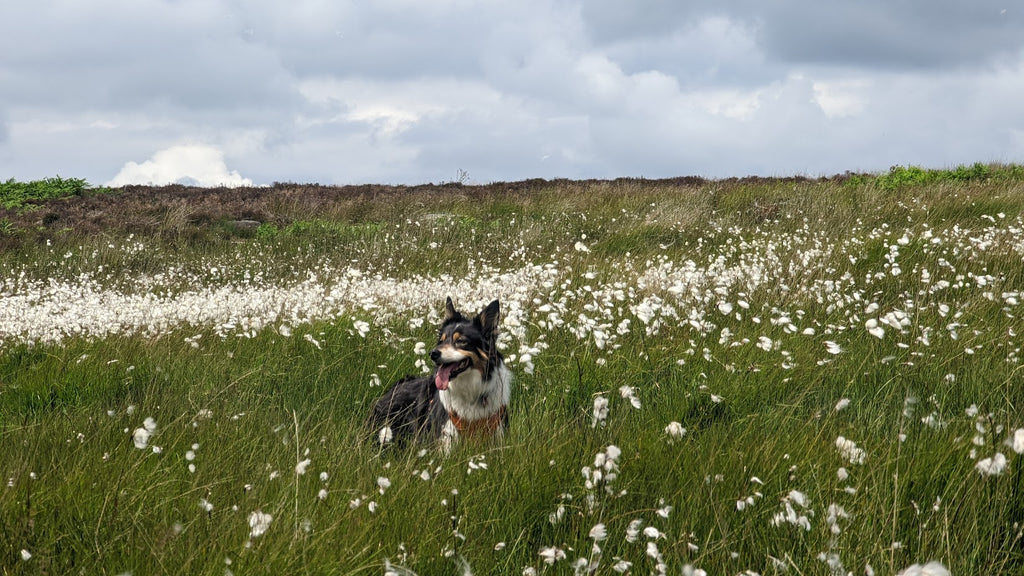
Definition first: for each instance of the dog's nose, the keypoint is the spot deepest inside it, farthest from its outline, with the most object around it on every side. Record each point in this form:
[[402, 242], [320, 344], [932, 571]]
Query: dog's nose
[[435, 355]]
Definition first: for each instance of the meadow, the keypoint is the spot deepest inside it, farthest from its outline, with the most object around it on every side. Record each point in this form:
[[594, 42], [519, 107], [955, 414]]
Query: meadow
[[744, 376]]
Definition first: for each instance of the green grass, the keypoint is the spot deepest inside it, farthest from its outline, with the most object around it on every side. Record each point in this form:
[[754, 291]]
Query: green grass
[[722, 284], [23, 195], [901, 176]]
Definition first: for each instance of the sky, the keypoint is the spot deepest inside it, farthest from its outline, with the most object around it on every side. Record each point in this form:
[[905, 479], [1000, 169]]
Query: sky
[[252, 92]]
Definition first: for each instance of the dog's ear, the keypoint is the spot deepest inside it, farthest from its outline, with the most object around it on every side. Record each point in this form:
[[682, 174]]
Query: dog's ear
[[488, 319], [450, 313]]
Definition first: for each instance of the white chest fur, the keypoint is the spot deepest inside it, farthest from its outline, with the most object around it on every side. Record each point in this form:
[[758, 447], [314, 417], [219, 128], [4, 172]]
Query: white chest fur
[[473, 398]]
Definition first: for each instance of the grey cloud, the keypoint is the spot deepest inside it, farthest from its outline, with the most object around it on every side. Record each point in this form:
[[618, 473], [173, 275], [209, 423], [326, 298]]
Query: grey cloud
[[608, 21], [899, 35], [390, 40], [369, 43], [186, 57], [713, 51], [917, 34]]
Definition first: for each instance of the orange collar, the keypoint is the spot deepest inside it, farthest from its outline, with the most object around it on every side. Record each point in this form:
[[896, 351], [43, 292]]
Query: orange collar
[[488, 425]]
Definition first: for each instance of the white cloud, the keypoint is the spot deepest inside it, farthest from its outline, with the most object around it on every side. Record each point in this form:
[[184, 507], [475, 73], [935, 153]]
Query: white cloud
[[841, 98], [192, 164]]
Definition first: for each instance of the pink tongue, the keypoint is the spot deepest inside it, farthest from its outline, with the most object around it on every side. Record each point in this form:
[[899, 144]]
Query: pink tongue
[[443, 375]]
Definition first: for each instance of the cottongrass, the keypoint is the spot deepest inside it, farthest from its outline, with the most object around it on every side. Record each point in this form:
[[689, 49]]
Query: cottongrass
[[789, 515], [675, 431], [141, 435], [259, 523], [551, 554], [933, 568], [1016, 441], [48, 312], [629, 393], [600, 412], [850, 451], [991, 466]]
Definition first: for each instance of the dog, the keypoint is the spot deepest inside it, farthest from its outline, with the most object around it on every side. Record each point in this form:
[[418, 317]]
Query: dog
[[467, 394]]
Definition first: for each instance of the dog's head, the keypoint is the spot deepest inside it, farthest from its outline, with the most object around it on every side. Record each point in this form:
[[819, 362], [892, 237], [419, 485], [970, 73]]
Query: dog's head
[[465, 343]]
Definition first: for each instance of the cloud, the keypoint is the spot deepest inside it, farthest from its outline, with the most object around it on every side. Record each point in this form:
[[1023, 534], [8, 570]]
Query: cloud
[[194, 165], [910, 34], [399, 91], [841, 98], [708, 51], [169, 62]]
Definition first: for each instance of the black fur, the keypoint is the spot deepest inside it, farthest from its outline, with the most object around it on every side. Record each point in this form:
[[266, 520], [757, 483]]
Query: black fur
[[411, 408]]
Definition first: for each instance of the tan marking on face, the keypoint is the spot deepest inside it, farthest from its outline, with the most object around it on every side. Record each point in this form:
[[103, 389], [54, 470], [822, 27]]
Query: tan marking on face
[[450, 353], [479, 362]]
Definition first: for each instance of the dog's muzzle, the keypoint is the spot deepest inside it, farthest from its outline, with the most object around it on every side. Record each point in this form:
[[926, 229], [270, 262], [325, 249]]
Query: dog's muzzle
[[446, 372]]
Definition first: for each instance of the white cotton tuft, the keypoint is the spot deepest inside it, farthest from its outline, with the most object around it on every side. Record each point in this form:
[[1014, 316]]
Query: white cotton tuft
[[933, 568], [993, 466], [259, 522]]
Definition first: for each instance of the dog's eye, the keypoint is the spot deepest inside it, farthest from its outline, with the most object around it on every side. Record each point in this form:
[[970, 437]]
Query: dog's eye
[[462, 341]]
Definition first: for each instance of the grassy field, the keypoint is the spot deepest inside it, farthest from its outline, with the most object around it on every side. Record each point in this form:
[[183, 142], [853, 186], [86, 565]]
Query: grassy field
[[741, 376]]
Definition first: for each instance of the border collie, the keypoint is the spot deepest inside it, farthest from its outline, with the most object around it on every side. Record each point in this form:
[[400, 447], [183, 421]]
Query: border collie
[[466, 395]]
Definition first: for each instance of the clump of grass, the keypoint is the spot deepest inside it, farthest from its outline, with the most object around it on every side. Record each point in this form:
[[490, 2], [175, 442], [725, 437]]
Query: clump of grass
[[24, 195], [901, 176]]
